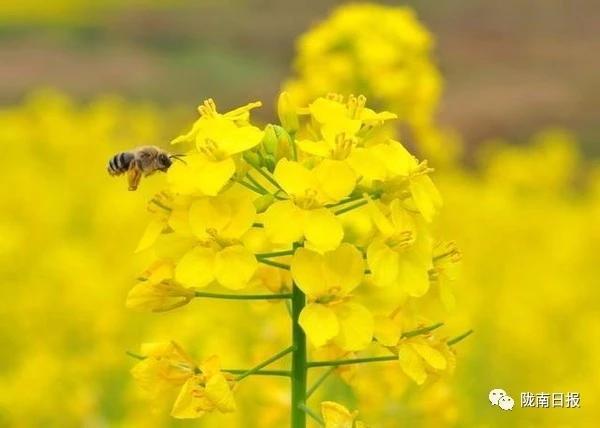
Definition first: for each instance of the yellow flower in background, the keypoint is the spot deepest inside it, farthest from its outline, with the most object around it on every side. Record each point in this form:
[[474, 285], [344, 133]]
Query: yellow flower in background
[[205, 392], [337, 416], [380, 51], [328, 279]]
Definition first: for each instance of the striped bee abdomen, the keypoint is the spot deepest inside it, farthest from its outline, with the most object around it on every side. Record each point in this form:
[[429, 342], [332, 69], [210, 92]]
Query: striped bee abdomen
[[120, 163]]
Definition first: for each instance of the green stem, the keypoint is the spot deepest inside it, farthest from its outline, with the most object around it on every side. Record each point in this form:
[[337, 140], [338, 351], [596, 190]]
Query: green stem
[[299, 363], [320, 381], [251, 187], [274, 264], [312, 414], [243, 296], [459, 338], [423, 330], [256, 184], [351, 207], [345, 201], [294, 146], [285, 373], [337, 363], [267, 177], [275, 254], [265, 363]]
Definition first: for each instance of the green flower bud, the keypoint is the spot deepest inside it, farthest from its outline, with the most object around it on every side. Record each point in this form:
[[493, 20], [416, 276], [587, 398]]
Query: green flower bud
[[262, 203], [253, 158], [286, 110]]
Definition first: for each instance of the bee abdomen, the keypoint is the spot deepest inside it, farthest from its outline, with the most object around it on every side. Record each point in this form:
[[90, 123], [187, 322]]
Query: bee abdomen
[[120, 163]]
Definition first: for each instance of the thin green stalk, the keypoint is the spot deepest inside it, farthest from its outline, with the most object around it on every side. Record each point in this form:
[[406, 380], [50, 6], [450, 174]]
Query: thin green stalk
[[256, 184], [285, 373], [265, 363], [320, 381], [274, 264], [275, 254], [351, 207], [228, 296], [251, 187], [299, 363], [423, 330], [337, 363], [457, 339], [344, 201], [135, 355], [267, 177], [312, 414]]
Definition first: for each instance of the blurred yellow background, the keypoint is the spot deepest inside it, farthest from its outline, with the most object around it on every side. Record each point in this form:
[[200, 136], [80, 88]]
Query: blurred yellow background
[[499, 97]]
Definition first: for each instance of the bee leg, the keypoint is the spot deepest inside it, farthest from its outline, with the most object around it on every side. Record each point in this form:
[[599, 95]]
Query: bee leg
[[134, 175]]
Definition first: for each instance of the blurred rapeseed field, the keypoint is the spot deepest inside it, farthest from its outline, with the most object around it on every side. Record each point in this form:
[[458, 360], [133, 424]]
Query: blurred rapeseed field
[[524, 216]]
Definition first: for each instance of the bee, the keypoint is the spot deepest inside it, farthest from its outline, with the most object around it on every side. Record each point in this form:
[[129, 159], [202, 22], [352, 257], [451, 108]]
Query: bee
[[144, 160]]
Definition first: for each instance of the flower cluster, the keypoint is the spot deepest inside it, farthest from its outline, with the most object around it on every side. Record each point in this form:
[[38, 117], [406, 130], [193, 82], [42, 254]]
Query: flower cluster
[[278, 208], [384, 52]]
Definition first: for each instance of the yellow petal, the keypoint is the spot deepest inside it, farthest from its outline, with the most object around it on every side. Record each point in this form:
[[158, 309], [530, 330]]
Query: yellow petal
[[308, 271], [398, 161], [242, 213], [283, 223], [234, 267], [432, 356], [240, 139], [345, 268], [209, 215], [336, 179], [383, 263], [426, 196], [214, 175], [356, 326], [191, 402], [316, 148], [152, 231], [411, 363], [386, 331], [413, 275], [293, 177], [325, 110], [219, 392], [322, 229], [336, 416], [195, 269], [319, 323], [366, 164]]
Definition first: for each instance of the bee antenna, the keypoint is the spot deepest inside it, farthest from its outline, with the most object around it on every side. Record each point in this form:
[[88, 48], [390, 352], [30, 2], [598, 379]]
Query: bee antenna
[[178, 157]]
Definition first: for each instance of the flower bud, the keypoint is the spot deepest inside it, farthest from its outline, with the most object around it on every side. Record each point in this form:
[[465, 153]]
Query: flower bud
[[262, 203], [286, 110], [270, 140], [253, 158]]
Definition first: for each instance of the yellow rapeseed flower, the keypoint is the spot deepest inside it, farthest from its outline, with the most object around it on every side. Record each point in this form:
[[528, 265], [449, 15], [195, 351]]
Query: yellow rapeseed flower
[[328, 279]]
